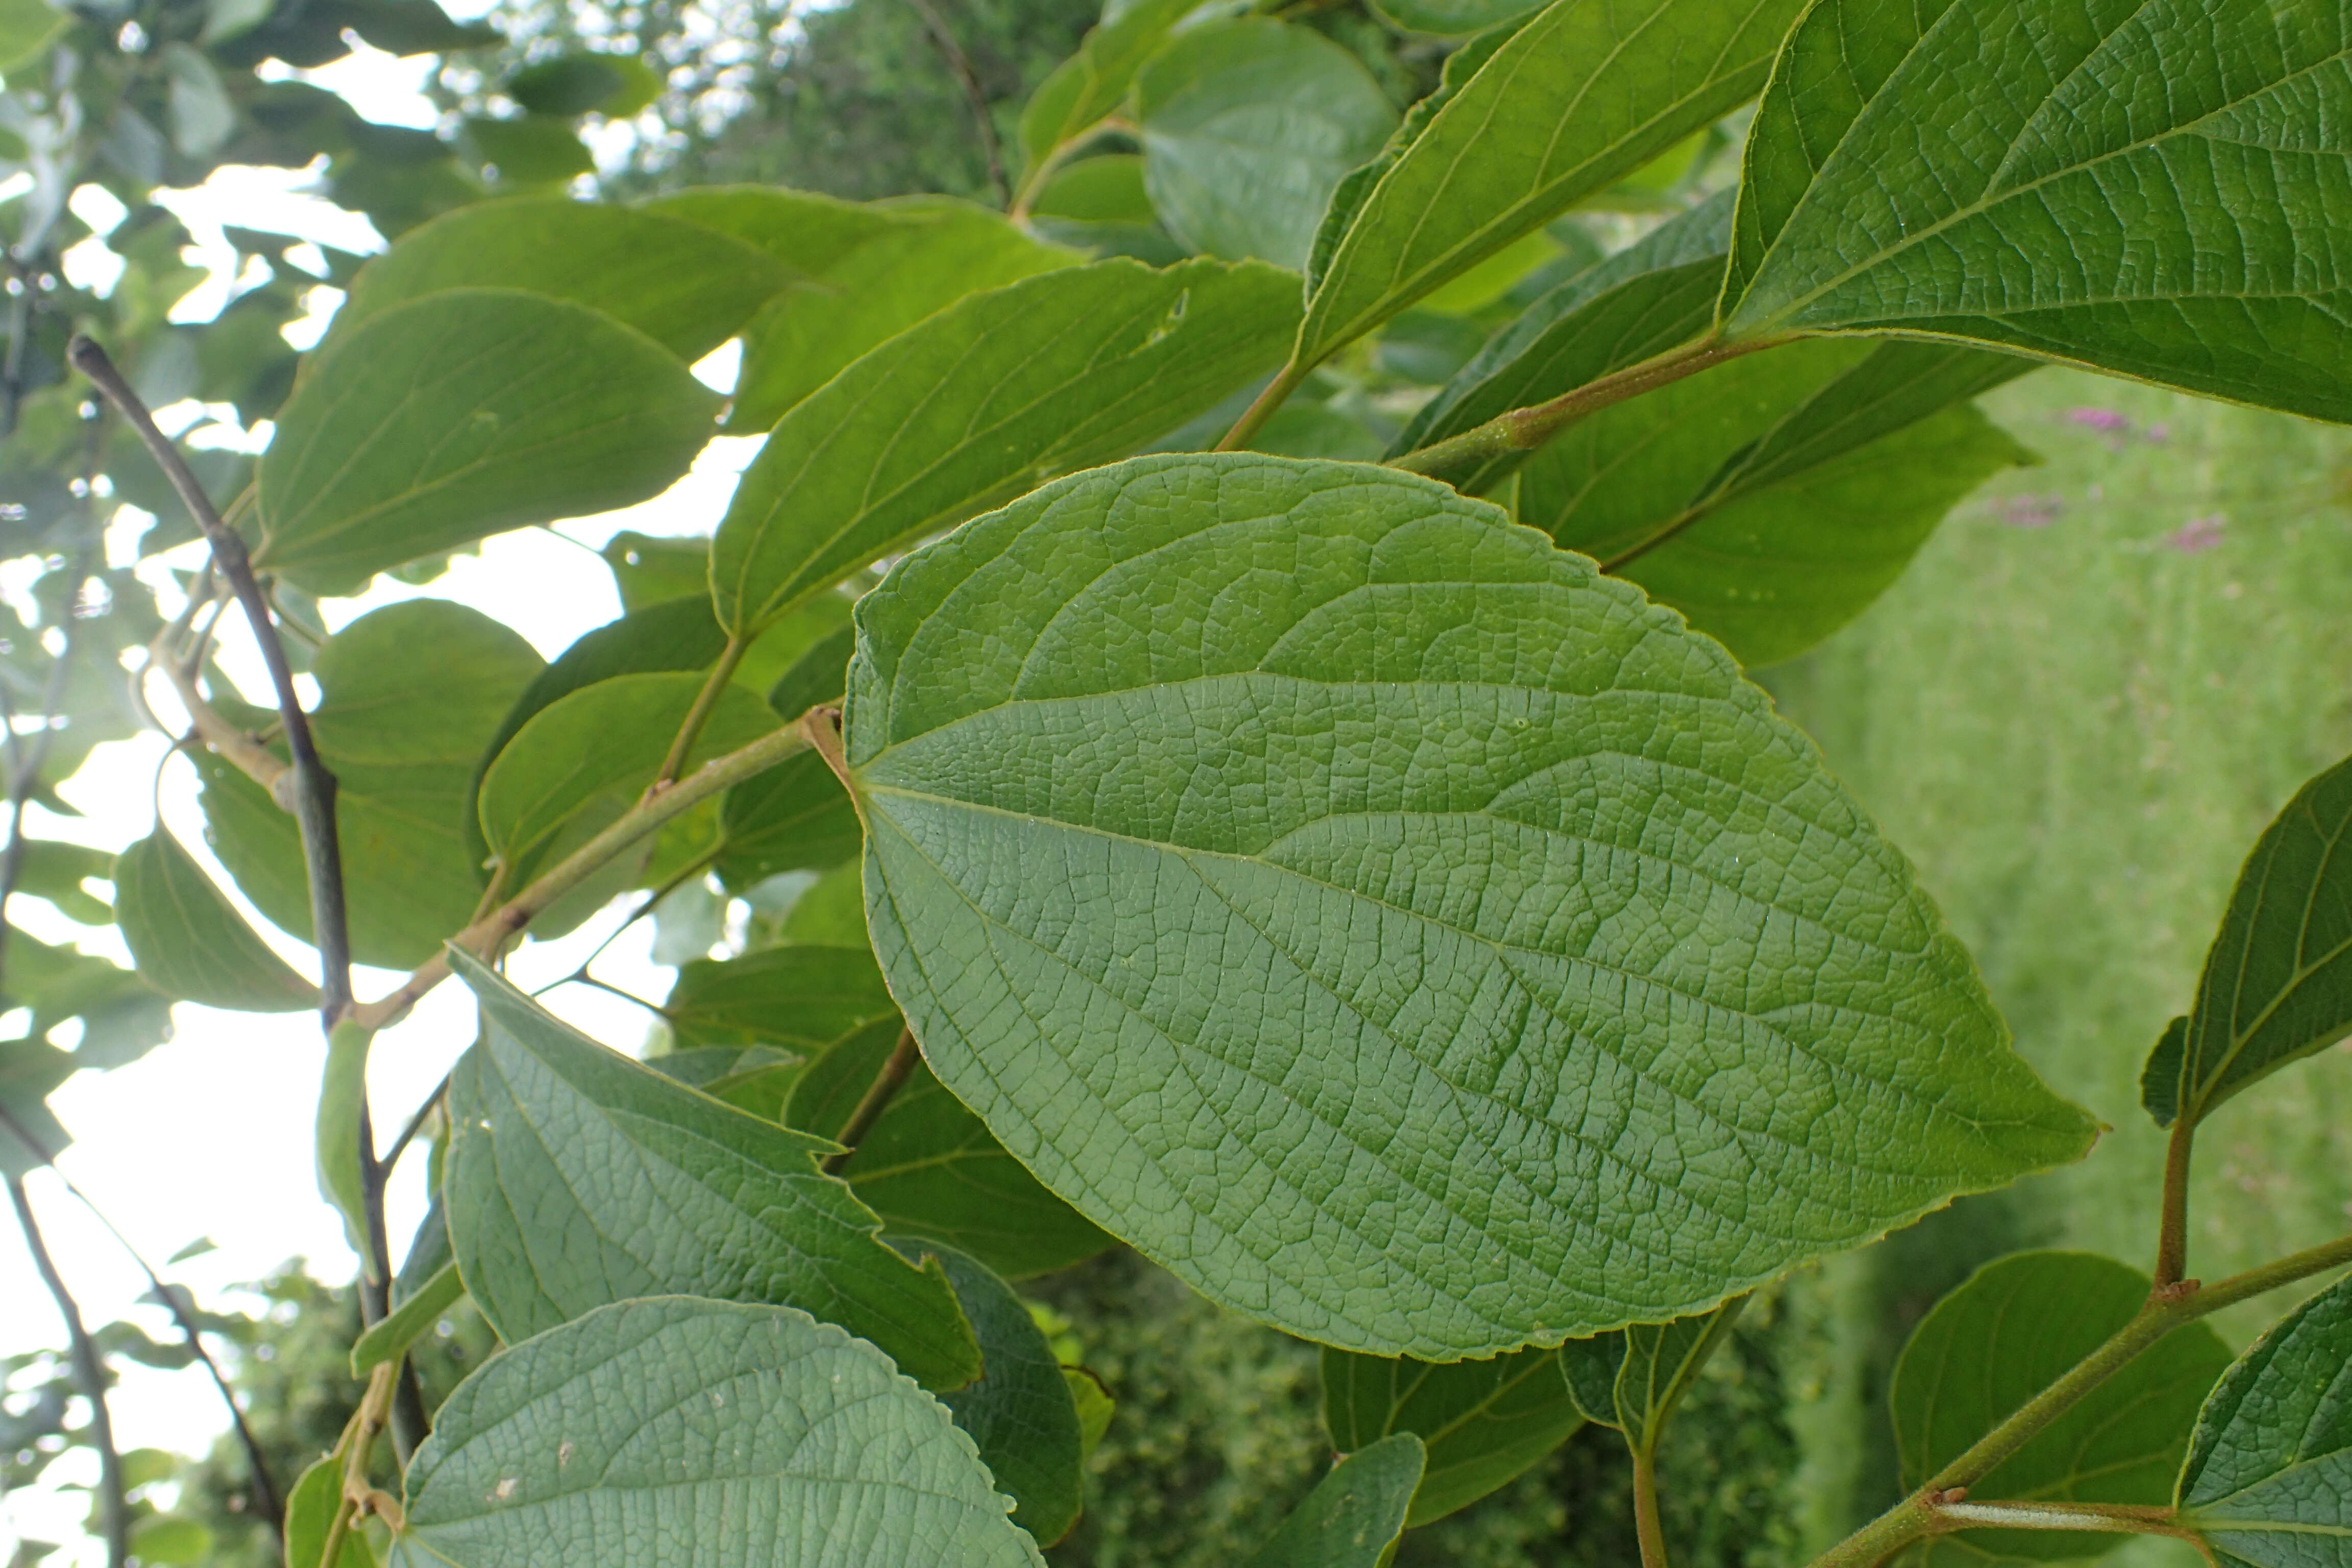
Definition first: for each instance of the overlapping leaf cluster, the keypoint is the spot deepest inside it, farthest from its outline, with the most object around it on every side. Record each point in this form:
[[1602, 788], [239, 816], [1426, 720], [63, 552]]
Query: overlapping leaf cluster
[[1352, 868]]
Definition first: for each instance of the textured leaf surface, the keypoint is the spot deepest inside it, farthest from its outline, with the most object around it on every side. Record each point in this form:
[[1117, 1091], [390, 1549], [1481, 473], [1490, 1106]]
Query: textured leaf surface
[[687, 287], [971, 407], [1481, 1422], [2277, 984], [930, 253], [410, 695], [1998, 1340], [1019, 1412], [1407, 1058], [1248, 125], [689, 1431], [930, 1167], [1827, 465], [464, 413], [804, 999], [1580, 96], [578, 1177], [188, 940], [1354, 1514], [1653, 295], [2268, 1481], [2150, 189], [1662, 1361]]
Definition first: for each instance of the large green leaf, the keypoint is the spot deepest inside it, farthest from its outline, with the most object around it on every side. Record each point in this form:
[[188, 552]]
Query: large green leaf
[[2277, 984], [1450, 18], [1826, 464], [931, 253], [1354, 1515], [807, 232], [188, 940], [310, 1517], [1019, 1411], [687, 287], [2103, 181], [1482, 1422], [580, 763], [1579, 96], [971, 407], [1648, 298], [578, 1177], [689, 1431], [2268, 1481], [2018, 1323], [463, 414], [1408, 1059], [930, 1168], [410, 695], [1248, 125]]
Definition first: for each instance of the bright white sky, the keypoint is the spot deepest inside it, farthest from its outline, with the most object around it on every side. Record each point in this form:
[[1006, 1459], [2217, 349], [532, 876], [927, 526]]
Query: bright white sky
[[209, 1134]]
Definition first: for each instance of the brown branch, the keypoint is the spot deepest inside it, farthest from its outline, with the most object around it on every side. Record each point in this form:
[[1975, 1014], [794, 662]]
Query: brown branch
[[264, 1489], [959, 64], [895, 1068], [89, 1376]]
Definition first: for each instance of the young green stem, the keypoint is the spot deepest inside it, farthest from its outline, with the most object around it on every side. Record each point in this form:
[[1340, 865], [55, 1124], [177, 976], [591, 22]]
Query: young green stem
[[700, 714], [1648, 1530], [876, 1099], [486, 936], [89, 1376], [1255, 416], [2172, 1231], [2166, 1311], [1524, 429]]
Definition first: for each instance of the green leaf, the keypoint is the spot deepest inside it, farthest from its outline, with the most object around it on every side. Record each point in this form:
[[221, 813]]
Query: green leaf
[[1582, 95], [1998, 1340], [819, 675], [757, 1079], [389, 1339], [1589, 1368], [1092, 84], [27, 29], [464, 413], [29, 1069], [166, 1538], [188, 940], [1096, 1407], [1637, 903], [337, 1144], [1450, 18], [688, 288], [1247, 126], [930, 1167], [931, 253], [2081, 180], [1354, 1515], [410, 695], [2277, 985], [1829, 464], [647, 571], [1653, 295], [670, 635], [1482, 1422], [311, 1518], [794, 817], [580, 763], [578, 1177], [526, 152], [804, 999], [123, 1017], [1020, 1412], [971, 407], [584, 82], [1662, 1361], [53, 869], [2268, 1481], [664, 1430], [808, 233]]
